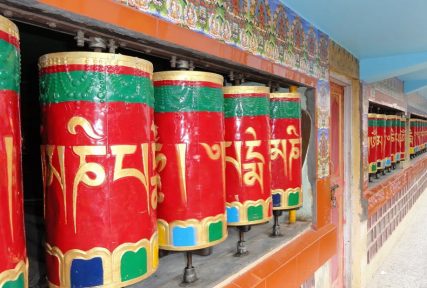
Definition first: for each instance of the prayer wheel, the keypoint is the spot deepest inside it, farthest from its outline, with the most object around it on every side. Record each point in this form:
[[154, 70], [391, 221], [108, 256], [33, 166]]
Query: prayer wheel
[[402, 138], [247, 134], [393, 140], [13, 256], [381, 158], [412, 136], [372, 137], [397, 139], [387, 140], [286, 164], [190, 159], [98, 166]]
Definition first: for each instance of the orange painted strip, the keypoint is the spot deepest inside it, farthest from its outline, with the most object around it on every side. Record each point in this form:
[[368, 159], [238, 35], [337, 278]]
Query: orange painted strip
[[133, 20], [293, 264]]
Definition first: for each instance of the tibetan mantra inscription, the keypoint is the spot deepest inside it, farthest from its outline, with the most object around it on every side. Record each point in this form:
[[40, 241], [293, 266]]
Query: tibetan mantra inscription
[[286, 164], [247, 134], [98, 168], [190, 159]]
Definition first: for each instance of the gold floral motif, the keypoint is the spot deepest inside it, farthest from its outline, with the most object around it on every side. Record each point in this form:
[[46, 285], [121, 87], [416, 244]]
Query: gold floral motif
[[111, 261], [202, 232]]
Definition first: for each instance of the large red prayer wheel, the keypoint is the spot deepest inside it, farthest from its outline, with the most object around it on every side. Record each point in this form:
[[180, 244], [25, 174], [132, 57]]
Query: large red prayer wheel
[[286, 164], [372, 138], [247, 134], [412, 136], [381, 158], [98, 166], [402, 138], [13, 257], [190, 159], [397, 139], [387, 139], [393, 138]]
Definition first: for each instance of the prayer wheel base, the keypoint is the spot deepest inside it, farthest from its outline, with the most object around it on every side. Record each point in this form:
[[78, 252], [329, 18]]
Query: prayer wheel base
[[276, 227], [190, 275], [242, 249]]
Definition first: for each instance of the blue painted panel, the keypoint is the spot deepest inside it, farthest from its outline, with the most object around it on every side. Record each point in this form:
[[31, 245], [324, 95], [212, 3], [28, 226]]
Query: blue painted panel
[[184, 236], [232, 215], [87, 273], [276, 200]]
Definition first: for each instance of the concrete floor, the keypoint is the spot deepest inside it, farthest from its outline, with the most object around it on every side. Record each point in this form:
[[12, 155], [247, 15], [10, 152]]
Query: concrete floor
[[406, 265]]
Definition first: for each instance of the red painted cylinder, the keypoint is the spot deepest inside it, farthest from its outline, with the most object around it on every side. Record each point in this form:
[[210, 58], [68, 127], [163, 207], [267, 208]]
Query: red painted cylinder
[[190, 159], [286, 164], [372, 137], [381, 158], [247, 134], [98, 165], [13, 258]]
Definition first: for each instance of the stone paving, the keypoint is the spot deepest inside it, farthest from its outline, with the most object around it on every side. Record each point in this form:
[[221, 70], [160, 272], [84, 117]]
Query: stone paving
[[406, 265]]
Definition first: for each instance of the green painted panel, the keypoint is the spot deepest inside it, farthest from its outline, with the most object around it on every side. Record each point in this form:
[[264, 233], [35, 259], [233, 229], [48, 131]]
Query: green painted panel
[[95, 87], [188, 99], [133, 264], [284, 109], [255, 213], [246, 106], [10, 70], [215, 231]]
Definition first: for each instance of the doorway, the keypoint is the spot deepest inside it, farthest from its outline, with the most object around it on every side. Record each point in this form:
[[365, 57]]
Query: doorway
[[337, 180]]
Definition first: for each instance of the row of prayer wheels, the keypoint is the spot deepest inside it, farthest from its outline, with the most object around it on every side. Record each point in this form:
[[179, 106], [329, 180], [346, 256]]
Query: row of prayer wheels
[[386, 135], [134, 161], [417, 137]]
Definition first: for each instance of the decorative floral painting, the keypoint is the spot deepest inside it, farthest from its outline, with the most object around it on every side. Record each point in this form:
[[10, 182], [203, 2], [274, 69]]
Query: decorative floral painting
[[323, 107], [265, 28]]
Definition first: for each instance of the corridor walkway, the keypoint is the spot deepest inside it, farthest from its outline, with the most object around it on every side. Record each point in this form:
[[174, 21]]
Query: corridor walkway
[[406, 265]]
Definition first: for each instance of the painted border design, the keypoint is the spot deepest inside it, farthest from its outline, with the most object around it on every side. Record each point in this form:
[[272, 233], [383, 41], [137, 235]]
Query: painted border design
[[13, 274], [265, 28], [202, 232], [111, 261], [284, 195], [243, 211]]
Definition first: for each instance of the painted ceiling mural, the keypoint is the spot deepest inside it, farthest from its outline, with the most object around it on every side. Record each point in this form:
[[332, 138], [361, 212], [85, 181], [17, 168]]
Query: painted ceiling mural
[[265, 28]]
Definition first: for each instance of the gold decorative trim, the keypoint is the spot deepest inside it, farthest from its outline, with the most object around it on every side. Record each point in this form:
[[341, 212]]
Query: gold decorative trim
[[245, 89], [9, 27], [13, 274], [391, 116], [95, 58], [372, 115], [243, 211], [202, 232], [285, 96], [111, 262], [189, 76], [284, 194]]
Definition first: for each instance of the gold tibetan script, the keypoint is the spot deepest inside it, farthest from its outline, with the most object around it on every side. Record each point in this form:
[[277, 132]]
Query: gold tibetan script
[[279, 149]]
